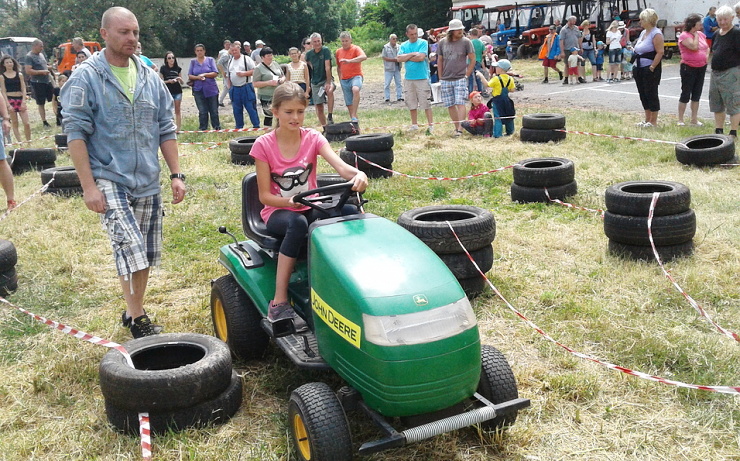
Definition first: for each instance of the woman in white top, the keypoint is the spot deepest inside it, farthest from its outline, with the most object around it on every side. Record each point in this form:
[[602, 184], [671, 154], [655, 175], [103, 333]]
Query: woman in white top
[[298, 70], [613, 41]]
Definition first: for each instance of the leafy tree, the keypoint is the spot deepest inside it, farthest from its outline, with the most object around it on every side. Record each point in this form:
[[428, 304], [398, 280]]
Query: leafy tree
[[348, 12], [428, 14]]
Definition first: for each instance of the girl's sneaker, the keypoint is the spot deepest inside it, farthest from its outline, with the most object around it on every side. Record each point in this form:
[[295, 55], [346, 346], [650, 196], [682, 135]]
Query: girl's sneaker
[[280, 311]]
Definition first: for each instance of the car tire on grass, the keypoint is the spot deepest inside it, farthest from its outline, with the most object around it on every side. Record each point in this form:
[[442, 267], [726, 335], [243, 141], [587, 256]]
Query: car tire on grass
[[372, 142], [474, 226], [666, 230], [497, 384], [473, 286], [461, 266], [343, 128], [8, 255], [705, 150], [525, 194], [65, 191], [540, 136], [236, 320], [383, 158], [242, 145], [34, 156], [318, 424], [633, 198], [60, 140], [543, 121], [544, 172], [215, 411], [20, 169], [64, 176], [8, 281], [173, 371], [242, 159], [645, 253]]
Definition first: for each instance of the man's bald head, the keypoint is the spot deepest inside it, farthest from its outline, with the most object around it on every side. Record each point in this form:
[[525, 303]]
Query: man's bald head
[[114, 12]]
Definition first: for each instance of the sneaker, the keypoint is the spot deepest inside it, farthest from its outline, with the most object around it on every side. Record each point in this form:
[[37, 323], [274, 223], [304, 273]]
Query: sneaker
[[141, 326], [581, 80], [414, 128], [647, 125], [680, 124], [698, 123], [640, 124], [457, 133], [354, 120], [400, 100], [280, 311], [544, 81], [330, 120], [560, 74], [46, 124], [387, 100], [565, 81]]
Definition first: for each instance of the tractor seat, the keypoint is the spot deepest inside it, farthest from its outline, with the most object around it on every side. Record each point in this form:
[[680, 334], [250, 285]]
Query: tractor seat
[[254, 227]]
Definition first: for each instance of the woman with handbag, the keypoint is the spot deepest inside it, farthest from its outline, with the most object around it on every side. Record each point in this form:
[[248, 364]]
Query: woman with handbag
[[267, 76]]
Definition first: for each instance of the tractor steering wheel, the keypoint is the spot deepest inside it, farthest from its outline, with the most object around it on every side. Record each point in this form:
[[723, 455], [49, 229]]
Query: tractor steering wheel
[[330, 199]]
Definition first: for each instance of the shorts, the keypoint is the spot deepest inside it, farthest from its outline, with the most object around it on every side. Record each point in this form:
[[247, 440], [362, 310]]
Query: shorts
[[600, 66], [454, 92], [549, 63], [318, 93], [573, 70], [615, 56], [134, 227], [177, 97], [347, 85], [2, 151], [724, 91], [15, 103], [42, 92], [417, 94]]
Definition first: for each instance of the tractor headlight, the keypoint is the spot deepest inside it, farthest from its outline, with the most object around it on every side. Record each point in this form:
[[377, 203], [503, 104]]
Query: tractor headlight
[[420, 327]]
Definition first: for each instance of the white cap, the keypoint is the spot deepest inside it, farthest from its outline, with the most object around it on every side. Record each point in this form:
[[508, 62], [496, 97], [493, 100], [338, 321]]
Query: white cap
[[246, 43], [259, 42]]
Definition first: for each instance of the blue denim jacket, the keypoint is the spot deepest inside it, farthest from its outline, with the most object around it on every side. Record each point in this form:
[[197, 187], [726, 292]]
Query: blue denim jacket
[[122, 138]]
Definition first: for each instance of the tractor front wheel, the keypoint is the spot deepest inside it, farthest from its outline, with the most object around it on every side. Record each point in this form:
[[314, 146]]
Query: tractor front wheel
[[318, 424], [236, 320], [497, 384]]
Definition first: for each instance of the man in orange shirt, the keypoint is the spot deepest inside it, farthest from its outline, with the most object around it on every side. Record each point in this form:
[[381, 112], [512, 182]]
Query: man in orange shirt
[[349, 67]]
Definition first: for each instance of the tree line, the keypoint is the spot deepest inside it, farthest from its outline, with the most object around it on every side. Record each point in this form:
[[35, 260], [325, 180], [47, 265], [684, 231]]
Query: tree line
[[177, 25]]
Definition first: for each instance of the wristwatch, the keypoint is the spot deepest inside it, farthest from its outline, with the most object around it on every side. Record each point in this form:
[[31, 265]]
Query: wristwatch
[[177, 176]]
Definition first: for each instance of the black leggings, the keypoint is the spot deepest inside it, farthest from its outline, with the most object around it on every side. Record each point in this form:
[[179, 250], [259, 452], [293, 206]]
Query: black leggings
[[647, 86], [293, 226], [692, 82]]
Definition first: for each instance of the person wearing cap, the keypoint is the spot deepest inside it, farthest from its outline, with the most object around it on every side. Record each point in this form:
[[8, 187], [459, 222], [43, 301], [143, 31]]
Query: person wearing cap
[[455, 63], [256, 57], [480, 119], [550, 53], [502, 106], [349, 69], [599, 57], [416, 89], [223, 57], [569, 37], [613, 42], [573, 64]]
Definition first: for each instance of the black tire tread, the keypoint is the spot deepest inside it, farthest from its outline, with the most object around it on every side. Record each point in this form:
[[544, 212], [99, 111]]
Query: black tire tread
[[370, 142], [461, 267], [633, 198], [242, 145], [497, 384], [543, 121], [645, 253], [540, 136], [474, 226], [667, 230], [700, 150], [245, 337], [8, 255], [64, 176], [525, 194], [544, 172]]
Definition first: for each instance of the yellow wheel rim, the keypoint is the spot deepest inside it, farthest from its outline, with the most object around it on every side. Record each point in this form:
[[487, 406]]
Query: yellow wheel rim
[[301, 437], [219, 320]]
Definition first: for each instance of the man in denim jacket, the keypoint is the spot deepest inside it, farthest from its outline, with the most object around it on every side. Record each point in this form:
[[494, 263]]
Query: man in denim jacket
[[117, 114]]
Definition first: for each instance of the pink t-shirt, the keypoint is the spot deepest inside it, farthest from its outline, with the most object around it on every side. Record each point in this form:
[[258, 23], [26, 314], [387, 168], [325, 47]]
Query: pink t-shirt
[[477, 113], [696, 58], [289, 176]]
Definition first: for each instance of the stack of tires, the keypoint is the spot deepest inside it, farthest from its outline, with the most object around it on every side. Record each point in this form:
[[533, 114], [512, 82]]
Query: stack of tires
[[532, 176], [706, 150], [182, 380], [625, 221], [476, 229], [376, 148], [8, 275], [66, 182], [60, 140], [541, 128], [23, 160], [240, 149], [340, 131]]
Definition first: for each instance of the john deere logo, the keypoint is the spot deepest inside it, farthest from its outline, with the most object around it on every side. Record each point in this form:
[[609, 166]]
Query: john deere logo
[[420, 300]]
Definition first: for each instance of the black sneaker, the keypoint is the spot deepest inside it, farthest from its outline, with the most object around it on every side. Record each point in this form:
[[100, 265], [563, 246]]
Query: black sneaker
[[142, 326], [387, 100], [581, 80], [330, 120], [560, 74], [46, 124]]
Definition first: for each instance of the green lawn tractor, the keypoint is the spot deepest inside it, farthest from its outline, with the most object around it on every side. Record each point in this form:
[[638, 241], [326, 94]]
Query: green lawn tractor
[[379, 308]]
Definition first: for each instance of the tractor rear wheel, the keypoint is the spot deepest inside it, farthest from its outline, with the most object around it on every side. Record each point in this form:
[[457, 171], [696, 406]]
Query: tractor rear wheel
[[497, 384], [318, 424], [236, 320]]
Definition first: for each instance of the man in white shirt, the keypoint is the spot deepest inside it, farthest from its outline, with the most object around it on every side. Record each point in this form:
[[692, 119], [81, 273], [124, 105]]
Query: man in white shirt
[[241, 91], [223, 57], [256, 53]]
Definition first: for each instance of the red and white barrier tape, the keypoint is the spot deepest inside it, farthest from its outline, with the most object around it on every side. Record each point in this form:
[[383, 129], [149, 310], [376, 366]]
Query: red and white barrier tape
[[431, 178], [691, 300], [570, 205], [146, 442], [613, 136], [18, 143], [40, 191], [720, 389]]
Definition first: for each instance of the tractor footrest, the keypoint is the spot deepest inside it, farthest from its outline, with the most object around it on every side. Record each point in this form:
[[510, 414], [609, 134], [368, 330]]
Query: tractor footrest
[[303, 350]]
